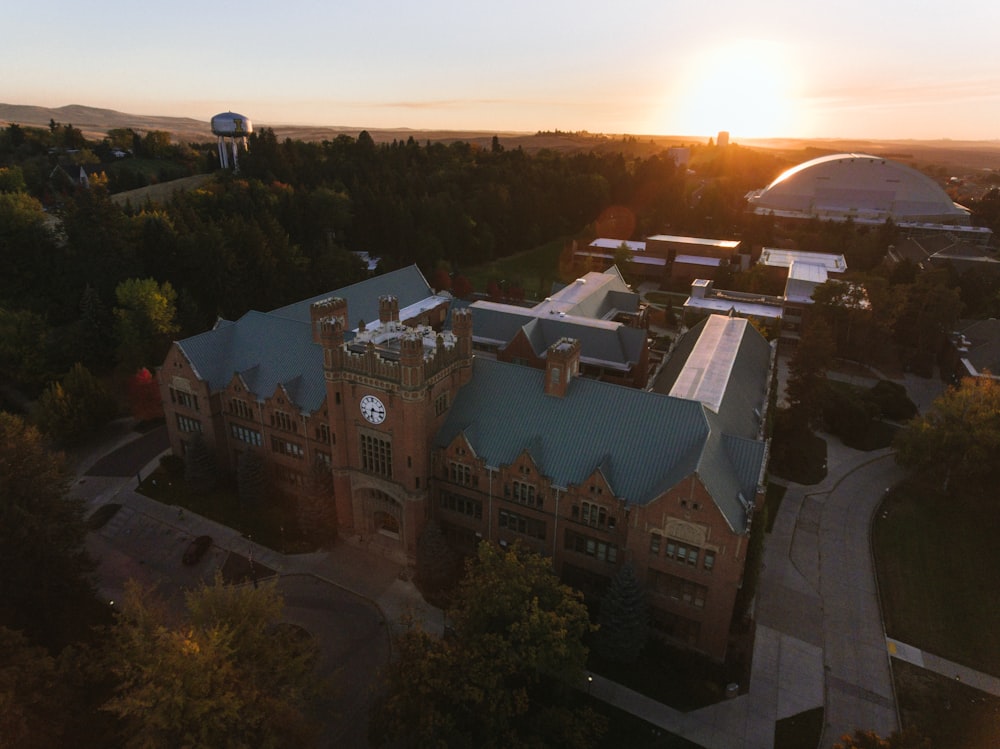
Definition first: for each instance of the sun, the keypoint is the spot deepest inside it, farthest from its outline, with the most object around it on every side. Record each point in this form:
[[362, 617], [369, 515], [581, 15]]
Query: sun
[[744, 87]]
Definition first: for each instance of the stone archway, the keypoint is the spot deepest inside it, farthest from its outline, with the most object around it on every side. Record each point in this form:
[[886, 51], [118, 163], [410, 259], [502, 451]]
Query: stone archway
[[382, 517]]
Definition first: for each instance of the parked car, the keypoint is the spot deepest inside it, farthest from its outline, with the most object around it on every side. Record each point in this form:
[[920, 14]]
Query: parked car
[[196, 549]]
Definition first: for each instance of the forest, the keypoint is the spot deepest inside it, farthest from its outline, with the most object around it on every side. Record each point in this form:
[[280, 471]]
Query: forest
[[104, 283]]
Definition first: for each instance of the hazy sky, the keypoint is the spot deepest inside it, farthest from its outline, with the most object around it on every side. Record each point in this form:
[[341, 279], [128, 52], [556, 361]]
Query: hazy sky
[[871, 68]]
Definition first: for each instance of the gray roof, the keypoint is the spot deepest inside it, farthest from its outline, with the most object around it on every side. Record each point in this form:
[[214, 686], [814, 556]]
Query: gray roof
[[601, 341], [276, 348], [266, 351], [408, 285], [643, 442], [743, 377], [620, 346]]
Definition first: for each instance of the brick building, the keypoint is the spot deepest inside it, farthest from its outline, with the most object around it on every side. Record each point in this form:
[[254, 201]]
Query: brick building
[[412, 425]]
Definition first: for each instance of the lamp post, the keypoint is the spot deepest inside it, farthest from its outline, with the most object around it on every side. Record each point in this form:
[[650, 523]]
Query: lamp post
[[590, 683]]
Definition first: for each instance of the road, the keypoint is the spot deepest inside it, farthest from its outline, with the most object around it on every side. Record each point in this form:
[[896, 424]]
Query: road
[[145, 541]]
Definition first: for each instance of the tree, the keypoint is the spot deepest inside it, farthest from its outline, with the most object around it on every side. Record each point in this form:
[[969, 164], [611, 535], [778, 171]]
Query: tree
[[144, 321], [45, 588], [144, 396], [503, 677], [317, 512], [871, 740], [251, 479], [624, 618], [461, 287], [958, 439], [201, 471], [437, 564], [227, 674], [624, 261], [31, 695], [807, 370], [69, 410]]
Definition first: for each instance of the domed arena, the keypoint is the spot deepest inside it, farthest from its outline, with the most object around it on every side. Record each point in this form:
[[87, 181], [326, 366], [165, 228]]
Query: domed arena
[[865, 188]]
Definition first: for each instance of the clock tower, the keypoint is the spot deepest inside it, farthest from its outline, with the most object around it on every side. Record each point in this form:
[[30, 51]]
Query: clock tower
[[389, 386]]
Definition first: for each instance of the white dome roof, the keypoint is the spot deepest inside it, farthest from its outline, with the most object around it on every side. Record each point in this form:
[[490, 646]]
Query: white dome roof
[[859, 186]]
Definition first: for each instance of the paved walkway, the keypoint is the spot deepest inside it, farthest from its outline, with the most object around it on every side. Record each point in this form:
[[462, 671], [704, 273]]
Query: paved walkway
[[937, 664]]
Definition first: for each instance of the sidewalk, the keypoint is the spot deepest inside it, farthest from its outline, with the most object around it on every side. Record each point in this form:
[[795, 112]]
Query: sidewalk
[[923, 659]]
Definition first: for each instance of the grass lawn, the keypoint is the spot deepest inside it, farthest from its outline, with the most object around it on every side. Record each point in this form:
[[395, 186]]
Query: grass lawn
[[535, 270], [937, 560], [947, 712], [800, 731], [681, 679], [626, 730], [273, 525]]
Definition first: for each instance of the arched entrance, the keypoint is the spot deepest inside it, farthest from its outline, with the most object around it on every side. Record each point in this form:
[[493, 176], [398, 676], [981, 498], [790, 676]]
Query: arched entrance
[[383, 519]]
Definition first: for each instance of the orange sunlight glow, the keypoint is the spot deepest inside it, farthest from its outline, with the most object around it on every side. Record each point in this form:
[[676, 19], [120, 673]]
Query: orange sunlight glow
[[747, 87]]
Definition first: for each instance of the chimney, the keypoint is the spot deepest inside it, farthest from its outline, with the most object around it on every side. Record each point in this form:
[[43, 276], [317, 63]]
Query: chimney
[[562, 362]]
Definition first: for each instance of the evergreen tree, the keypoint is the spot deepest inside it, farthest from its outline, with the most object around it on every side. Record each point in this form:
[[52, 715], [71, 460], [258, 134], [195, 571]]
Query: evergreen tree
[[624, 619], [251, 479], [45, 588], [200, 467], [74, 408], [317, 513]]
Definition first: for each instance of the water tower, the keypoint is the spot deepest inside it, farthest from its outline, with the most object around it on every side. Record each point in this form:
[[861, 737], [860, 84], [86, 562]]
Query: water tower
[[235, 128]]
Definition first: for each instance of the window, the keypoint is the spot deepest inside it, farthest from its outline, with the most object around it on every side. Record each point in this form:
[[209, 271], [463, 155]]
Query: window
[[525, 494], [654, 543], [182, 398], [522, 524], [677, 588], [708, 560], [592, 547], [593, 515], [678, 627], [284, 447], [682, 552], [461, 474], [250, 436], [462, 505], [288, 476], [376, 455], [239, 407], [441, 404], [325, 458], [323, 433], [188, 425], [282, 420]]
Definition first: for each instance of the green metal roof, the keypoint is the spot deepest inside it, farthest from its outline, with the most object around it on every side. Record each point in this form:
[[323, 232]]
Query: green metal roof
[[643, 442], [266, 351], [408, 285], [276, 348]]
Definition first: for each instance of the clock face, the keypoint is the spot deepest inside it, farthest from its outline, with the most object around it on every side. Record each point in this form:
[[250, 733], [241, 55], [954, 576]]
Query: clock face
[[372, 409]]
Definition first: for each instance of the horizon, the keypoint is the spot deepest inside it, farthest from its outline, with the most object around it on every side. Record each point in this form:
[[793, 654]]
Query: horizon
[[482, 131], [758, 73]]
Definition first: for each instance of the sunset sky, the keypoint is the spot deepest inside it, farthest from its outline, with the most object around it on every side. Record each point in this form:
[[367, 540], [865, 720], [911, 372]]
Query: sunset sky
[[853, 69]]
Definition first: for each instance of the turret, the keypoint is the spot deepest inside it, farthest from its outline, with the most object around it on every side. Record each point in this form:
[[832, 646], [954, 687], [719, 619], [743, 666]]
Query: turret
[[388, 309], [461, 326], [562, 362], [327, 309]]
